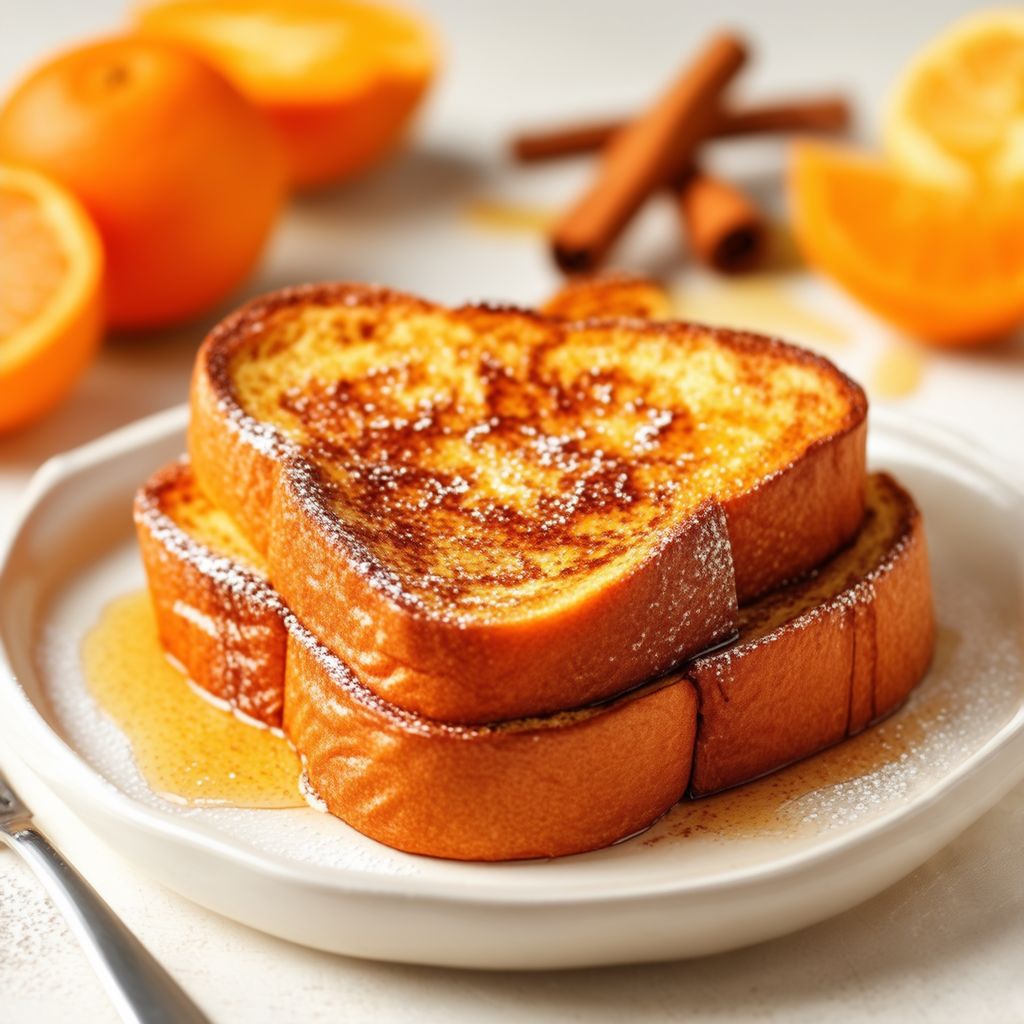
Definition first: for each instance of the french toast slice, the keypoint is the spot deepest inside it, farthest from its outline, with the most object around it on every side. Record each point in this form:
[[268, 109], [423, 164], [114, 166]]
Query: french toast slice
[[489, 513], [814, 662], [821, 658], [217, 614]]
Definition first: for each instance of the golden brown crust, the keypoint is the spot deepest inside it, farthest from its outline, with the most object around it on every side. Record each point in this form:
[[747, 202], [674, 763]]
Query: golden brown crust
[[222, 622], [544, 788], [793, 520], [678, 601], [772, 698], [638, 628], [826, 673], [484, 672], [812, 667], [902, 624]]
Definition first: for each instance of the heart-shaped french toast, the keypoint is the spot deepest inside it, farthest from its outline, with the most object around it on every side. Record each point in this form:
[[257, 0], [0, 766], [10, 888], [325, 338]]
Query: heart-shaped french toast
[[488, 513]]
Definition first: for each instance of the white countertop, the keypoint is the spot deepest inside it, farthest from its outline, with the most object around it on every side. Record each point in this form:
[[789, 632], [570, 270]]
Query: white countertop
[[944, 944]]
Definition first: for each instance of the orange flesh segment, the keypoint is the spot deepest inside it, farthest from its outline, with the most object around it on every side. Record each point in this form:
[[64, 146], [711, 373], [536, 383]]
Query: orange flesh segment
[[969, 105], [32, 262], [922, 235], [943, 264]]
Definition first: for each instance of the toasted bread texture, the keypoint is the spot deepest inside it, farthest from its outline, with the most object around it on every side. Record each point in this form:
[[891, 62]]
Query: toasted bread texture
[[216, 612], [815, 662], [592, 296], [488, 513], [822, 658]]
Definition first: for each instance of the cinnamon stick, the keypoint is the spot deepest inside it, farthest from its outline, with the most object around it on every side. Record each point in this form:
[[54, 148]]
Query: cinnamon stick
[[822, 114], [646, 154], [725, 229]]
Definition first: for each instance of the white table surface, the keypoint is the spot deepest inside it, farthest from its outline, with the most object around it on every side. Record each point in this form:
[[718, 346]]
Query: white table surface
[[947, 943]]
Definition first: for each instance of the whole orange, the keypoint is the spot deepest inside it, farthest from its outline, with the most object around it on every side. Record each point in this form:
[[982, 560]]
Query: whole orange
[[182, 175], [51, 316]]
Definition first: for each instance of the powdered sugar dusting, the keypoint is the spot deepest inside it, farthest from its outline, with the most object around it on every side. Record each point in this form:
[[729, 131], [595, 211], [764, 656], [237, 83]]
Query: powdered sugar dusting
[[241, 578], [975, 685], [493, 469], [309, 793], [31, 931]]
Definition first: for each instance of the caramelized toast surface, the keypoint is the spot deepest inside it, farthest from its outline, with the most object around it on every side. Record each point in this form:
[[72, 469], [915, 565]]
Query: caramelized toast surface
[[452, 496], [494, 465], [821, 658], [814, 662]]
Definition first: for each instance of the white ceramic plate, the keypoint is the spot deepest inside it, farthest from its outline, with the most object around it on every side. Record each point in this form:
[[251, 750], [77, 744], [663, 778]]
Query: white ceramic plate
[[712, 875]]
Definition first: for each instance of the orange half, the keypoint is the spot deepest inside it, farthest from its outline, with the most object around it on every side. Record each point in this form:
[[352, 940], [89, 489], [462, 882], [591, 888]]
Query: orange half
[[956, 116], [339, 79], [50, 286], [942, 264]]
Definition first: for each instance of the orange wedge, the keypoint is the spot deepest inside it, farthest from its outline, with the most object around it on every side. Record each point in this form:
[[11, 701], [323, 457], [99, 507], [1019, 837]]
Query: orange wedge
[[956, 117], [339, 79], [50, 286], [942, 264], [181, 175]]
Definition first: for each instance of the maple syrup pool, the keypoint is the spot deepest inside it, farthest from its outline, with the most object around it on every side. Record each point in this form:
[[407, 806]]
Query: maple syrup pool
[[187, 748]]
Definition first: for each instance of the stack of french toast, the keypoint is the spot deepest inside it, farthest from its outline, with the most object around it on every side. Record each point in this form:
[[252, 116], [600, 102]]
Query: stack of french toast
[[514, 583]]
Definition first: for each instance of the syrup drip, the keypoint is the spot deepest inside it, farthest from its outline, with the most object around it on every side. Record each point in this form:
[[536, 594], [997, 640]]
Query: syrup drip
[[508, 218], [898, 372], [188, 749], [758, 302]]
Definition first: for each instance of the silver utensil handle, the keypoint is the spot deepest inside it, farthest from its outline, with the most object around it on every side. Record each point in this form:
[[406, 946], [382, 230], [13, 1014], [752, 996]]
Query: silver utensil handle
[[141, 990]]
